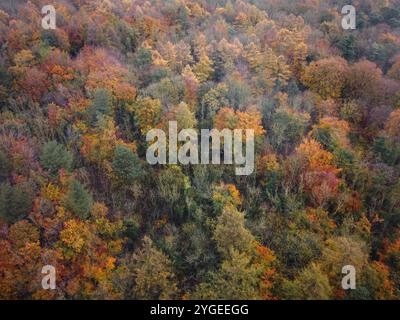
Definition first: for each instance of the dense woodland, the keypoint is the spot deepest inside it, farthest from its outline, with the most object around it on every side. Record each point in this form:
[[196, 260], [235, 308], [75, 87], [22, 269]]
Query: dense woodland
[[76, 191]]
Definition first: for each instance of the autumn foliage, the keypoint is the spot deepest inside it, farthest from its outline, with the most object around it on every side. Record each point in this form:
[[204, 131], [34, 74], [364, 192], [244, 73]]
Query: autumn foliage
[[76, 191]]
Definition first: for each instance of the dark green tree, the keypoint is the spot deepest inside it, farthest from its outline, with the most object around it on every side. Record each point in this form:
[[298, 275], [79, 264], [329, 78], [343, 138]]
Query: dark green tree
[[348, 46], [126, 166], [101, 106], [79, 201], [218, 65], [310, 284], [15, 201], [54, 157], [5, 165]]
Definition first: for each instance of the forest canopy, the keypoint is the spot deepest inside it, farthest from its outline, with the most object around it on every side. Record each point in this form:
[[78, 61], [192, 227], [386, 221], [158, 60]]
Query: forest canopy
[[77, 193]]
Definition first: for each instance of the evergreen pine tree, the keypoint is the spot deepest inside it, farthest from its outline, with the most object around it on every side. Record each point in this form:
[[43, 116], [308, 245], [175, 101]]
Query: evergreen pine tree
[[126, 166], [54, 157], [101, 106], [154, 278], [79, 201]]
